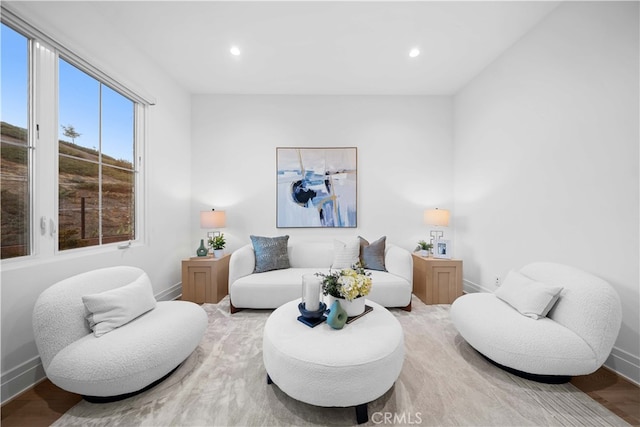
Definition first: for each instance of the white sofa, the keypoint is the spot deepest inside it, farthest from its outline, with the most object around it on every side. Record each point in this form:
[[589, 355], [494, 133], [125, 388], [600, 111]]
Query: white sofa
[[271, 289], [120, 363], [575, 338]]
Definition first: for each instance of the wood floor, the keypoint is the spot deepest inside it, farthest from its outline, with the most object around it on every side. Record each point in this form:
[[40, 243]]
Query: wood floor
[[613, 392], [38, 406], [45, 403]]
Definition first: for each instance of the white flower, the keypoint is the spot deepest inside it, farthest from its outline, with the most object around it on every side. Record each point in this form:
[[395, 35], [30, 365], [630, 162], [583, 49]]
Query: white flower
[[347, 281]]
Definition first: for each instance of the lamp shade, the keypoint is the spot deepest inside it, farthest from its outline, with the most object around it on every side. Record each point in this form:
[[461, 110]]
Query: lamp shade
[[439, 217], [212, 219]]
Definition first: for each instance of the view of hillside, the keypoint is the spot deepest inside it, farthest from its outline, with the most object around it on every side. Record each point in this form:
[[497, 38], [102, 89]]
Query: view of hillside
[[78, 195], [14, 190]]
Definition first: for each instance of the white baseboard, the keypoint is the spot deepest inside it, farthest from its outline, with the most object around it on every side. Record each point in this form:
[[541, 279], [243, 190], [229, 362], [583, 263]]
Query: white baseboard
[[21, 378], [171, 293], [624, 364], [31, 372], [470, 287]]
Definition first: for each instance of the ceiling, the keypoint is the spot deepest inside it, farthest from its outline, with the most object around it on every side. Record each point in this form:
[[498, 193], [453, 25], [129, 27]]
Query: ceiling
[[304, 47]]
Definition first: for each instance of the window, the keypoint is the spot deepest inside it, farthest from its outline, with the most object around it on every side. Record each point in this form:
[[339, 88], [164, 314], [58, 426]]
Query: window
[[91, 154], [96, 175], [15, 148]]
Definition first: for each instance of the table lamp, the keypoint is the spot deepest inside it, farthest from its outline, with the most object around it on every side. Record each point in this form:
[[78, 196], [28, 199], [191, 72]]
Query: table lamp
[[438, 218], [212, 219]]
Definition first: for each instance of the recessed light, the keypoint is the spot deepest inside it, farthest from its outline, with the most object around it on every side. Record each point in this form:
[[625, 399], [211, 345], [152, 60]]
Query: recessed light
[[414, 52], [235, 50]]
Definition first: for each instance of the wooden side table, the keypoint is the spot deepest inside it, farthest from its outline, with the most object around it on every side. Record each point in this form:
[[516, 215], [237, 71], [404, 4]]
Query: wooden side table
[[435, 280], [205, 279]]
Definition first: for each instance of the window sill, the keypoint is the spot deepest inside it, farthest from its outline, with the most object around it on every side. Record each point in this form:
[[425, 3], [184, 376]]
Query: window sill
[[70, 254]]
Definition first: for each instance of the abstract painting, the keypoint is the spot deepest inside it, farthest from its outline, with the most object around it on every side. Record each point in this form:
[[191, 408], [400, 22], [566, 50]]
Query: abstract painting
[[316, 187]]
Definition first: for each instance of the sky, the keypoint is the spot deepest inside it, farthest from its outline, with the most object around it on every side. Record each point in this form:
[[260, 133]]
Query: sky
[[83, 101], [13, 48], [79, 105]]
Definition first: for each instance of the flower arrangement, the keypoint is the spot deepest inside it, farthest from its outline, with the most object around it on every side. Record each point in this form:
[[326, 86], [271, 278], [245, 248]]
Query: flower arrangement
[[348, 283]]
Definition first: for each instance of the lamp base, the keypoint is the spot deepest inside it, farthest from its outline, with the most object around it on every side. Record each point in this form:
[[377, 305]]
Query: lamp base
[[435, 235]]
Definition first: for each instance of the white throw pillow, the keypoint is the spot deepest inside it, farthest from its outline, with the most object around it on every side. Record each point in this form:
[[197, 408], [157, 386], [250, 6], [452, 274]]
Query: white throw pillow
[[346, 254], [532, 299], [109, 310]]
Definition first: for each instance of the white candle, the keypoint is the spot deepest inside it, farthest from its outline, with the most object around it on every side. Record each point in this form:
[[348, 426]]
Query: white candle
[[311, 292]]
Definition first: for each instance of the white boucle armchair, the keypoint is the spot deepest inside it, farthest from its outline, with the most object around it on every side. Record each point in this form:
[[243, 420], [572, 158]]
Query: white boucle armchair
[[575, 338], [124, 361]]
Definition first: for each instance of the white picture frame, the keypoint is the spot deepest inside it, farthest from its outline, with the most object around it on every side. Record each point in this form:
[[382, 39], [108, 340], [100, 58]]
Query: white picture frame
[[442, 249]]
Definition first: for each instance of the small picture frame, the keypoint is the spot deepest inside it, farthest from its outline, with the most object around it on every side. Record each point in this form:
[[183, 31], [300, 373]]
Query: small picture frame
[[442, 249]]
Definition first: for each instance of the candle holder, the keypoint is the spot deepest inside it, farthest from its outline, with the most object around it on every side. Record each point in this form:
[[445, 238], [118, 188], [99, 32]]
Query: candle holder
[[312, 317], [311, 308]]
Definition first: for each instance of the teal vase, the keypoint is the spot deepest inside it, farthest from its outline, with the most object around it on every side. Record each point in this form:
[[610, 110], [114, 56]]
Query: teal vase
[[202, 250], [337, 316]]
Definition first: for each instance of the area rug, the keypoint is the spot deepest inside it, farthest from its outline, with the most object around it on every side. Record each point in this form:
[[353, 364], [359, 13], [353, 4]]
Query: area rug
[[444, 382]]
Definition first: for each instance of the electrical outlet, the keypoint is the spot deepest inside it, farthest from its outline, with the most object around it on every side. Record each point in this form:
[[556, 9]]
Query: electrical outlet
[[497, 281]]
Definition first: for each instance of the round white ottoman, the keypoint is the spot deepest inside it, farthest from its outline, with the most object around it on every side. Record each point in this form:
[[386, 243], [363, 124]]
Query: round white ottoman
[[333, 368]]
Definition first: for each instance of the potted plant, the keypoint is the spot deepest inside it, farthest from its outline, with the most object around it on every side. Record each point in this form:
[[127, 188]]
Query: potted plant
[[218, 243], [347, 286], [424, 248]]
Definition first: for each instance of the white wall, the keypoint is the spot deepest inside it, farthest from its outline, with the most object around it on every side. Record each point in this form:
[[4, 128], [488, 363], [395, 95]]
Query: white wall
[[168, 157], [404, 159], [546, 157]]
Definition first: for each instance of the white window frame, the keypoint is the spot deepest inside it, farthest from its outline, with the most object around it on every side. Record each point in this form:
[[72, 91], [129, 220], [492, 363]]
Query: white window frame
[[44, 53]]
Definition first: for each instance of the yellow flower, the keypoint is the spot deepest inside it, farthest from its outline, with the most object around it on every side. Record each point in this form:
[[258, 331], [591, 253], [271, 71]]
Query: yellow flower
[[354, 285], [349, 283]]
